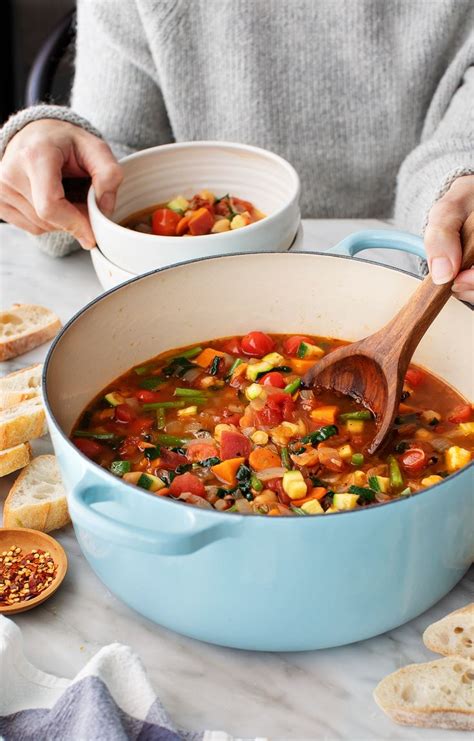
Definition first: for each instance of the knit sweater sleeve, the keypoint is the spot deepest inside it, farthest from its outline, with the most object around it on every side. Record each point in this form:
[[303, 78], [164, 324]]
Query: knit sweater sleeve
[[444, 154], [115, 95]]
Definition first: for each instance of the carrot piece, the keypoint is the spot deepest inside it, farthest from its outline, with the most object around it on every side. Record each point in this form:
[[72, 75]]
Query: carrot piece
[[162, 492], [227, 470], [300, 366], [317, 493], [325, 415], [407, 409], [201, 221], [262, 458], [205, 358], [182, 226]]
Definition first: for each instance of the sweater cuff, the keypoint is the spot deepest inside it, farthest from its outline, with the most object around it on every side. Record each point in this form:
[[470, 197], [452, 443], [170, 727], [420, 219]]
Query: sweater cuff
[[19, 120], [57, 244], [458, 172]]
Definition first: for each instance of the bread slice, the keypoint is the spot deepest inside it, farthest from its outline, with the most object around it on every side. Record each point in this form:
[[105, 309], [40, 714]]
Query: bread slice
[[20, 386], [24, 327], [22, 423], [14, 458], [433, 695], [453, 635], [37, 499]]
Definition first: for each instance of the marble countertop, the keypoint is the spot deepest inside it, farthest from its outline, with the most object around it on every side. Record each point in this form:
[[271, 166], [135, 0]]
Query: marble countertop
[[317, 695]]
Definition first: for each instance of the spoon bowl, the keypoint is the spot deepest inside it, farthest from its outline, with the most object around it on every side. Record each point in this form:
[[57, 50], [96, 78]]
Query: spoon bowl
[[372, 371]]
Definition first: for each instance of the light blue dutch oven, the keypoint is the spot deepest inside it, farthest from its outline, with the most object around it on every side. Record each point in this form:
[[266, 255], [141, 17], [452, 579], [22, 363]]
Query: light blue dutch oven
[[277, 584]]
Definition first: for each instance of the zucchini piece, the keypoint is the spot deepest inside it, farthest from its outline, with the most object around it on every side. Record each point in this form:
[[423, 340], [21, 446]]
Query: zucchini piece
[[114, 399]]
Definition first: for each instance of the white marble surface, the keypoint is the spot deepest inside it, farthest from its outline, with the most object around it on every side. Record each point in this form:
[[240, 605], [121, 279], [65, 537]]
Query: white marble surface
[[318, 695]]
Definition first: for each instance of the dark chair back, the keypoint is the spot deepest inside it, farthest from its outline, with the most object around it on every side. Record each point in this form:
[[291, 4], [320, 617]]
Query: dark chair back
[[39, 86]]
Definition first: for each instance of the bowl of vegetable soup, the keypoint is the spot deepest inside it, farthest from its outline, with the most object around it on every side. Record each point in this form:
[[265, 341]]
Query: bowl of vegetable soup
[[196, 199], [217, 496]]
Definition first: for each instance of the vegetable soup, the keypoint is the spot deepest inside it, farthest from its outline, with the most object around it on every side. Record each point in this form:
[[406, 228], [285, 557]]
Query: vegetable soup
[[204, 213], [227, 425]]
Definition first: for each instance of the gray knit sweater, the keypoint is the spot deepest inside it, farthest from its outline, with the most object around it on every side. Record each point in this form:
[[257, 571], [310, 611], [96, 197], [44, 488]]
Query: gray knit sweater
[[370, 100]]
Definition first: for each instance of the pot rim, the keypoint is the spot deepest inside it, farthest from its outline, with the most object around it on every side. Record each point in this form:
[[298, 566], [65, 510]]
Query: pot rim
[[257, 225], [213, 512]]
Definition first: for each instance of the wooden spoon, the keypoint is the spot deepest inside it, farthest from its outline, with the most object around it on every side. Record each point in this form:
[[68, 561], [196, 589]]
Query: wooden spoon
[[372, 371], [28, 540]]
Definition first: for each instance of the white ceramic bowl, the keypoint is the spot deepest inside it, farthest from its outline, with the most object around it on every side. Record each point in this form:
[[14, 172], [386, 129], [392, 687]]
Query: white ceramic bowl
[[156, 175], [109, 275]]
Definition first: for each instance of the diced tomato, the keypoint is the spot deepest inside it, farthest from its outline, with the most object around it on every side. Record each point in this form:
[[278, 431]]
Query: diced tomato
[[414, 377], [414, 459], [187, 482], [461, 414], [240, 205], [274, 379], [276, 485], [257, 344], [234, 445], [278, 407], [170, 460], [91, 448], [230, 418], [164, 222], [201, 451], [201, 222], [136, 426], [148, 397], [232, 346], [129, 447], [124, 414], [291, 345]]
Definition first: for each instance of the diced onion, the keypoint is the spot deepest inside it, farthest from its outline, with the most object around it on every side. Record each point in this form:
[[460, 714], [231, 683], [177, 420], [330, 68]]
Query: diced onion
[[132, 403], [189, 498], [440, 444], [195, 428], [243, 506], [307, 394], [248, 431], [271, 473], [192, 374]]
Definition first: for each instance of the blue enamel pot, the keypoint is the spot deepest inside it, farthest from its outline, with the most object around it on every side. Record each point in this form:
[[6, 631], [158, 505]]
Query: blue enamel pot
[[274, 584]]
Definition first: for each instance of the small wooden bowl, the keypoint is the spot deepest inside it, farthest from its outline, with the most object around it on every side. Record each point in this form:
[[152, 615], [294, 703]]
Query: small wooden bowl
[[28, 540]]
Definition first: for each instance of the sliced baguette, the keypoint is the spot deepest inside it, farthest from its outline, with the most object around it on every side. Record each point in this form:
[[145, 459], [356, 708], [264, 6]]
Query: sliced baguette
[[433, 695], [24, 327], [453, 635], [14, 458], [37, 499], [22, 423], [20, 386]]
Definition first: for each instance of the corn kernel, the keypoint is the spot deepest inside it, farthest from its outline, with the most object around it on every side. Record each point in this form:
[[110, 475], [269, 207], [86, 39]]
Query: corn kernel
[[188, 411], [259, 437], [456, 458], [312, 507], [294, 484], [345, 451], [431, 480], [467, 428], [355, 426], [222, 225], [219, 429], [206, 195], [239, 221], [359, 478]]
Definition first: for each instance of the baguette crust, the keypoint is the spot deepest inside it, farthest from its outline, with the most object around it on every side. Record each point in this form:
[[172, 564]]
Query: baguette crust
[[453, 635], [22, 423], [43, 514], [14, 458], [20, 386], [36, 325], [437, 694]]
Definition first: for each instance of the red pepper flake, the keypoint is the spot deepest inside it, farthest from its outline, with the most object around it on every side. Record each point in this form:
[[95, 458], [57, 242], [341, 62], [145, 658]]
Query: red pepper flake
[[24, 576]]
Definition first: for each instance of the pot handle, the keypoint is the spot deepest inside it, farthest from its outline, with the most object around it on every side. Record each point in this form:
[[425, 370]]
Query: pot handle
[[385, 239], [157, 541]]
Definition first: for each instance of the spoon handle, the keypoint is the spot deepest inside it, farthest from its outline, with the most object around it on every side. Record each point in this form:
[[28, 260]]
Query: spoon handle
[[400, 337]]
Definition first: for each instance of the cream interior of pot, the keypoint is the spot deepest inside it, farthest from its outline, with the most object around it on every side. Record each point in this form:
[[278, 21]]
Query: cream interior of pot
[[300, 293]]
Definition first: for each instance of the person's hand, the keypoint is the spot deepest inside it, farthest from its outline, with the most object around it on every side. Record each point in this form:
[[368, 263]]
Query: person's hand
[[31, 171], [442, 237]]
